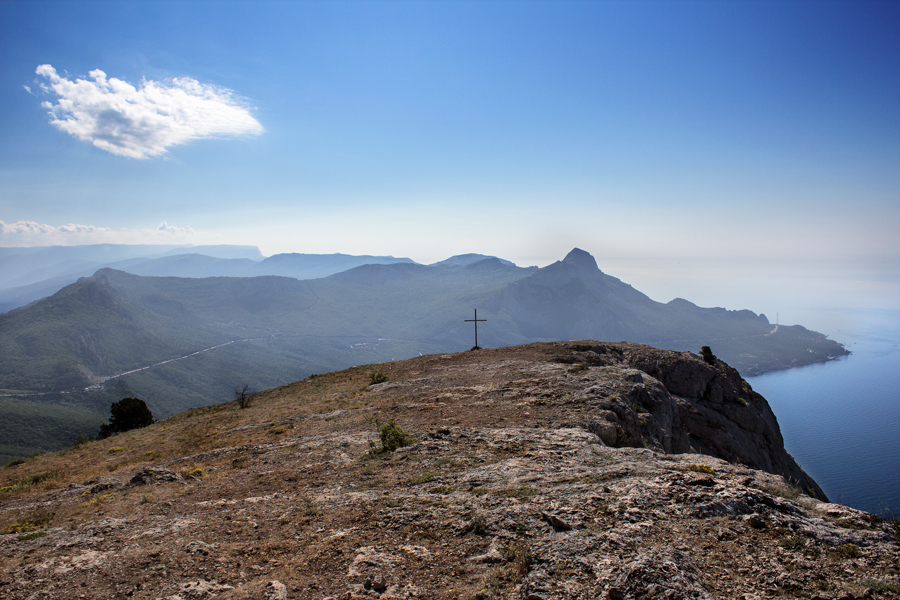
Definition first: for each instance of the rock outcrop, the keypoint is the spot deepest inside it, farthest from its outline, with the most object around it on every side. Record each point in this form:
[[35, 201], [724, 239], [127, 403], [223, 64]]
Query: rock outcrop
[[544, 472], [675, 402]]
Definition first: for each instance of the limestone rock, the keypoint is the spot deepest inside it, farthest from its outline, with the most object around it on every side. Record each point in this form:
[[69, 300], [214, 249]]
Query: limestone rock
[[555, 471], [151, 475]]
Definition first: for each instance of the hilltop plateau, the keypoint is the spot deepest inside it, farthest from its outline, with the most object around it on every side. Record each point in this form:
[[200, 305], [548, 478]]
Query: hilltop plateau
[[549, 471]]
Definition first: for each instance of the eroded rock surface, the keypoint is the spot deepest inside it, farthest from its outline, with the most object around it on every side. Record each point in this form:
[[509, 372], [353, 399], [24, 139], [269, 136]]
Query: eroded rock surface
[[546, 472]]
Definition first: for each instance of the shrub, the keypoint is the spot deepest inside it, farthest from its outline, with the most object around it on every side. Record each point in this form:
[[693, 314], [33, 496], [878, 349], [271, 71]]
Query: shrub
[[425, 477], [81, 440], [375, 378], [793, 543], [38, 478], [126, 414], [519, 556], [523, 494], [30, 525], [477, 525], [243, 395], [708, 356], [393, 437], [782, 491], [848, 550], [702, 469]]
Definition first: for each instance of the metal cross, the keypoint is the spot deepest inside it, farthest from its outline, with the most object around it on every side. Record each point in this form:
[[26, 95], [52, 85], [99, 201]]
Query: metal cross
[[476, 320]]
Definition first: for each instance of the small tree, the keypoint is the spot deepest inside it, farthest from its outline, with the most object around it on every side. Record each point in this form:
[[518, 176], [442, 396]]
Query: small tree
[[392, 437], [708, 356], [243, 395], [126, 414]]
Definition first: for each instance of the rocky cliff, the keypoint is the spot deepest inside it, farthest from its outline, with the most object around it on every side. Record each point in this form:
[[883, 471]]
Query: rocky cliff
[[539, 472]]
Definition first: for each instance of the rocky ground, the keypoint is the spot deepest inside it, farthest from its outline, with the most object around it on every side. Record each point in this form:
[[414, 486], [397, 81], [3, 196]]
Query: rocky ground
[[548, 471]]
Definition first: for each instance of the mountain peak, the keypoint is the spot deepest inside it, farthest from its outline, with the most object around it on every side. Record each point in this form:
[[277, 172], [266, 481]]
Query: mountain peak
[[471, 258], [581, 259]]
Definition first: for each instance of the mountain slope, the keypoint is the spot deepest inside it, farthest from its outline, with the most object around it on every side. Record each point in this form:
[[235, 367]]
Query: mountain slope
[[181, 342], [527, 478]]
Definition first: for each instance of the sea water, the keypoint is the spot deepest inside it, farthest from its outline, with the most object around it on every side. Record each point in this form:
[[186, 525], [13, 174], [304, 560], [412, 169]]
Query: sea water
[[841, 419]]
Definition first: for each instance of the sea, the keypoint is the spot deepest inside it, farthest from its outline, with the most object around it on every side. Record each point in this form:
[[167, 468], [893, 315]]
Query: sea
[[841, 420]]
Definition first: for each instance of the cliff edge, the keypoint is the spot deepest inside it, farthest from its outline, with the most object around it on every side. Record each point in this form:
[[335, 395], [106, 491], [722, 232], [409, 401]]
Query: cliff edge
[[542, 472]]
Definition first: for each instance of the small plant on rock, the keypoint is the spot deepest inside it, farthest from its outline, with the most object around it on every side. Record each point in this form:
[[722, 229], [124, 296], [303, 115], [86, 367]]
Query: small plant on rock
[[376, 378], [793, 543], [702, 469], [425, 477], [32, 524], [519, 558], [392, 437], [708, 357], [848, 550]]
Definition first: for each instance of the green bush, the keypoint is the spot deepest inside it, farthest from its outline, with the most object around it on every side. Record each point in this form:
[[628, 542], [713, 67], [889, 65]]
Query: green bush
[[793, 543], [848, 550], [375, 378], [126, 414], [81, 440], [392, 437], [708, 356], [702, 469]]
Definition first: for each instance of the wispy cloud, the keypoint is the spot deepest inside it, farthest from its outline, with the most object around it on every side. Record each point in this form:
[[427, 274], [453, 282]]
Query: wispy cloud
[[31, 233], [144, 121]]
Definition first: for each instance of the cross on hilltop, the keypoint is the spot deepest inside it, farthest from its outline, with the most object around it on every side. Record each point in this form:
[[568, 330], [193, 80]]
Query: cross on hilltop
[[476, 320]]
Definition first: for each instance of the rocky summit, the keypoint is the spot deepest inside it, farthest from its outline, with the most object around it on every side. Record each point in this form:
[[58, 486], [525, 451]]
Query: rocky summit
[[541, 472]]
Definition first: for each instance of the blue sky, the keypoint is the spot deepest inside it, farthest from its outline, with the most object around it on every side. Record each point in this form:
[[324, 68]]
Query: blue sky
[[744, 154]]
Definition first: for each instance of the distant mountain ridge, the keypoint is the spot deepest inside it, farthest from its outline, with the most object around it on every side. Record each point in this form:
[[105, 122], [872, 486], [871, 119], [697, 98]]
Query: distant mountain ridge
[[28, 274], [182, 342], [468, 259]]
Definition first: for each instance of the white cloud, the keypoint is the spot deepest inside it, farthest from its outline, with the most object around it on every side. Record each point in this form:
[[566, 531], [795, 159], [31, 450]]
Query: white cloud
[[172, 230], [31, 233], [145, 121]]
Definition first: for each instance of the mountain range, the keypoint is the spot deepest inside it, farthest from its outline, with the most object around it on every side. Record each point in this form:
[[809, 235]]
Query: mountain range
[[181, 342], [28, 274]]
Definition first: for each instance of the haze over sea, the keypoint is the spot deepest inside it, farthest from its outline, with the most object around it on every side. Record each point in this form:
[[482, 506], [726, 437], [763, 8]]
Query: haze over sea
[[736, 154], [841, 420]]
